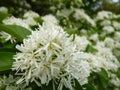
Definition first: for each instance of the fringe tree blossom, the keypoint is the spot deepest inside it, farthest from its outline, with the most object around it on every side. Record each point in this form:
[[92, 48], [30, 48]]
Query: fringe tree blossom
[[46, 55]]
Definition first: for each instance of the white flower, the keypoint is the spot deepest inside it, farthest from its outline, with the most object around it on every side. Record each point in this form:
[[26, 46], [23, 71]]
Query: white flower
[[15, 21], [7, 37], [116, 25], [116, 16], [103, 15], [31, 14], [108, 29], [94, 37], [79, 68], [9, 83], [30, 21], [105, 23], [83, 31], [30, 18], [81, 42], [93, 61], [117, 36], [109, 61], [50, 19], [64, 12], [80, 14], [3, 10], [115, 80], [66, 82], [109, 42]]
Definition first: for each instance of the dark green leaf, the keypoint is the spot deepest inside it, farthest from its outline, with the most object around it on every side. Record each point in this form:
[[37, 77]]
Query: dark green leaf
[[103, 79], [3, 16], [89, 86], [6, 60], [70, 31], [8, 50], [48, 87], [39, 20], [77, 86], [90, 48]]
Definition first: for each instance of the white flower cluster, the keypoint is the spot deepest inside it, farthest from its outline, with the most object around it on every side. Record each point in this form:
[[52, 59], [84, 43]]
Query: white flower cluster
[[30, 18], [115, 80], [108, 21], [9, 83], [48, 54], [80, 14], [104, 15]]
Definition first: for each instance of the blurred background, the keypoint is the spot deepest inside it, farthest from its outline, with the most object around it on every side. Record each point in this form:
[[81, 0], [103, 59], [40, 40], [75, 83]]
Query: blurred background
[[18, 7]]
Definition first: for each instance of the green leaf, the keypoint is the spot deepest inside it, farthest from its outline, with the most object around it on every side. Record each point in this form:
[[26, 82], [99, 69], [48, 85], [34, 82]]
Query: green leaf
[[48, 87], [8, 50], [6, 60], [103, 79], [39, 20], [90, 48], [16, 31], [89, 86], [77, 86], [70, 31], [3, 16]]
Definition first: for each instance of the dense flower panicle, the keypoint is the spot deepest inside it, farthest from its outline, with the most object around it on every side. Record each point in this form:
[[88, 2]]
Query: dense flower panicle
[[93, 61], [44, 55], [49, 54], [79, 68], [81, 42], [115, 80], [109, 61]]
